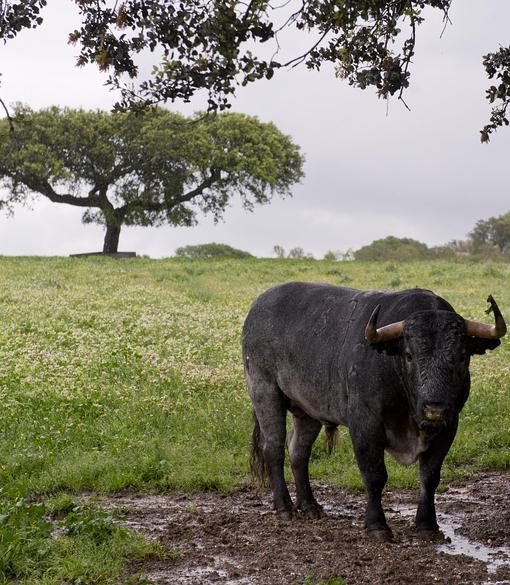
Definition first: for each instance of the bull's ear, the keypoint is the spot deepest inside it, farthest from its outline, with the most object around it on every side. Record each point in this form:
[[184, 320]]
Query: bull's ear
[[478, 345]]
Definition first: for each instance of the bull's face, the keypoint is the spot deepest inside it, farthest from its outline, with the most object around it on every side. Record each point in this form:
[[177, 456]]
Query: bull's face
[[435, 348], [435, 353]]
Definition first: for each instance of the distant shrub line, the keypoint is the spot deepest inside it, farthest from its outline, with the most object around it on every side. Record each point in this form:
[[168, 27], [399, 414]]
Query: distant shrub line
[[489, 240], [390, 248]]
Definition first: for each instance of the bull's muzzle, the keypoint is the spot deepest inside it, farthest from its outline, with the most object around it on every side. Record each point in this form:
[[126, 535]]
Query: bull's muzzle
[[435, 413]]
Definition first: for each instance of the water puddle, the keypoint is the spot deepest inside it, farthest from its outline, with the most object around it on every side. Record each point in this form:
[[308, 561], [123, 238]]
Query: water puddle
[[493, 557], [456, 544], [205, 575]]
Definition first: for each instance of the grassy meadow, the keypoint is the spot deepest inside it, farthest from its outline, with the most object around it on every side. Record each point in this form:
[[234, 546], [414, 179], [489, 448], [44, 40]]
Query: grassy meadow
[[127, 375]]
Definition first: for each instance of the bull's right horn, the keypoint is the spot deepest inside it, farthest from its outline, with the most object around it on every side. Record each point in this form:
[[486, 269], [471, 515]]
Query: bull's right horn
[[476, 329], [386, 333]]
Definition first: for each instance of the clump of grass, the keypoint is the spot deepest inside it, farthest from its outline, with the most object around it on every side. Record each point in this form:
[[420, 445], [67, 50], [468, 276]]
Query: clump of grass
[[25, 544], [84, 546], [340, 277], [491, 270]]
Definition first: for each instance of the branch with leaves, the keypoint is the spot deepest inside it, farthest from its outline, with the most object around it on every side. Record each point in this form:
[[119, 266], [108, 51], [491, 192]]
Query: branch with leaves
[[211, 45], [497, 66]]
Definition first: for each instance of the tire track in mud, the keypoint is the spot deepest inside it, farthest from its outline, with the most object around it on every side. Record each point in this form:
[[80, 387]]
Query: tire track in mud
[[235, 539]]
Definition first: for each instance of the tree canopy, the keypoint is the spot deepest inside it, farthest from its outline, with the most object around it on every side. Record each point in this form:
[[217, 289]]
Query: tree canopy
[[144, 168], [494, 231], [211, 45]]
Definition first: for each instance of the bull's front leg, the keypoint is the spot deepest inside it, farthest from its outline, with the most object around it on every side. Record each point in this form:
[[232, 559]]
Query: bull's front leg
[[369, 450], [431, 462]]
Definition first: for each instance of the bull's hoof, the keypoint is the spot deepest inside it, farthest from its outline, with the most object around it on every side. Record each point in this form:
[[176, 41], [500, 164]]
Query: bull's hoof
[[312, 511], [285, 515], [430, 535], [380, 534]]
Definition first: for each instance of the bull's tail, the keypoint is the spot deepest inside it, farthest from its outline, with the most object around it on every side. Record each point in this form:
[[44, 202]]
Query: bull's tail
[[258, 465], [331, 437]]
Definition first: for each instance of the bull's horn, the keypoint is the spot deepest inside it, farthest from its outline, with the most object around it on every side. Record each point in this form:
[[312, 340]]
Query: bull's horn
[[495, 331], [386, 333]]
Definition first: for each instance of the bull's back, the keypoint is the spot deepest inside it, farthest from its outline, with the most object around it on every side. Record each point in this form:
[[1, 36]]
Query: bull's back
[[295, 318], [294, 335]]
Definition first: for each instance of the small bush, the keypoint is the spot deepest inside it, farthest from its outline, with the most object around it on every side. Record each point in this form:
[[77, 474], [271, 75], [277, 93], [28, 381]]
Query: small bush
[[331, 256], [211, 251], [296, 253], [392, 248]]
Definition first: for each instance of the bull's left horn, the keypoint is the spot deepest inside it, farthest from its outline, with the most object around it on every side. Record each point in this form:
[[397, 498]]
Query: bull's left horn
[[386, 333], [476, 329]]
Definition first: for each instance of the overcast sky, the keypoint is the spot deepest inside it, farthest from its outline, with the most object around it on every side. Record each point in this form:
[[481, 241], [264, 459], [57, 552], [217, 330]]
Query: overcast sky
[[371, 170]]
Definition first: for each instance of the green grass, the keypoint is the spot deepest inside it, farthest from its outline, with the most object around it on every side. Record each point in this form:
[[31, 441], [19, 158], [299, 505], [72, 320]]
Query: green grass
[[128, 374], [85, 546]]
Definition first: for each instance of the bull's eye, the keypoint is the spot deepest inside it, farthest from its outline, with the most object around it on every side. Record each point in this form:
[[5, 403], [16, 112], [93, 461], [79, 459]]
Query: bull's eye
[[409, 357]]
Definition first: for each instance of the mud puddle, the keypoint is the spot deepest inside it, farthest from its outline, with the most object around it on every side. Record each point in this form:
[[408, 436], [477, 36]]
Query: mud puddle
[[235, 539], [454, 543], [493, 557]]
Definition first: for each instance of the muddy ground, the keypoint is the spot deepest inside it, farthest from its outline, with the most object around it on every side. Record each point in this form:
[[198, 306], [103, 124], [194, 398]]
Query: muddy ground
[[235, 538]]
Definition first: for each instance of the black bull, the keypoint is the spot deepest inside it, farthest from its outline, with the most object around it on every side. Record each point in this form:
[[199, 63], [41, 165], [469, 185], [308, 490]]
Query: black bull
[[317, 351]]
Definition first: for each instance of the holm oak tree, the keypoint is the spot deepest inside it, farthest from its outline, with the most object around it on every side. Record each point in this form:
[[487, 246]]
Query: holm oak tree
[[144, 168]]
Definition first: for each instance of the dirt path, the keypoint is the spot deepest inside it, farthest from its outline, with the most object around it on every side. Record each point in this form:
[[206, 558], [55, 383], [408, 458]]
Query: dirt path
[[235, 539]]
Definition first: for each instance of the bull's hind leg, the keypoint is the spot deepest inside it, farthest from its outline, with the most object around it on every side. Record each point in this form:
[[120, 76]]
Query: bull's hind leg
[[270, 406], [304, 432]]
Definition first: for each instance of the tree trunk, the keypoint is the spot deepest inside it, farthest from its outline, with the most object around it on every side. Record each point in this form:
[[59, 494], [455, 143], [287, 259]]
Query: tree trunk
[[111, 239]]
